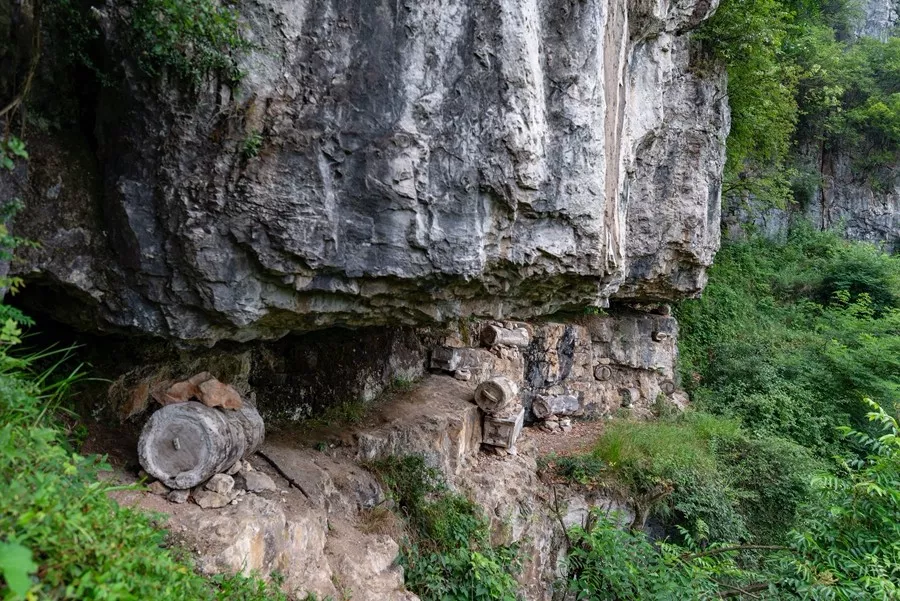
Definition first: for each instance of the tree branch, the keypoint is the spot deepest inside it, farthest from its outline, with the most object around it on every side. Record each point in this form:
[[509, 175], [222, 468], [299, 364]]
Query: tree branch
[[718, 550], [747, 590]]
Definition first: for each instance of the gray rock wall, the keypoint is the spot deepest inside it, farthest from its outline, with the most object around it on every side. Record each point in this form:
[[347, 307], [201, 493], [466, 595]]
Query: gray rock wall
[[418, 161]]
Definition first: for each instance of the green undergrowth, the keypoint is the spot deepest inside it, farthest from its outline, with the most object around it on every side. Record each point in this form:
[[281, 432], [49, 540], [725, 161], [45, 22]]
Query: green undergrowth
[[788, 338], [845, 546], [61, 536], [700, 472], [187, 39], [790, 454], [447, 552]]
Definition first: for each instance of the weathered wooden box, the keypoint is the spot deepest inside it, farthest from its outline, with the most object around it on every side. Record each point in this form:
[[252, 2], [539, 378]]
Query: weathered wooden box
[[503, 431], [445, 358]]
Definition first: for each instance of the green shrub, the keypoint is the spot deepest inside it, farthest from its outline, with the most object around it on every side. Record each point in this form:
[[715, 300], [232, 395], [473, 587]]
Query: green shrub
[[189, 39], [850, 549], [448, 554], [701, 473], [61, 536], [606, 562], [789, 337]]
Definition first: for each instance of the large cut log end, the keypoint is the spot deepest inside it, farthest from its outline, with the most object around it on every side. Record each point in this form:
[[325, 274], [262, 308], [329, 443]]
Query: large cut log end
[[185, 444], [497, 395], [543, 406]]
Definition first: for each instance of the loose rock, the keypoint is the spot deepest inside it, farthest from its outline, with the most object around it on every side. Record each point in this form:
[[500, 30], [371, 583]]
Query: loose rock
[[178, 496], [259, 482], [158, 488], [216, 394], [463, 375], [208, 499], [220, 483]]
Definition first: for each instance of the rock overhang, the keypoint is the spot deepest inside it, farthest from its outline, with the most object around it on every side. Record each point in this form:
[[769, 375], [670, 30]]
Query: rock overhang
[[417, 164]]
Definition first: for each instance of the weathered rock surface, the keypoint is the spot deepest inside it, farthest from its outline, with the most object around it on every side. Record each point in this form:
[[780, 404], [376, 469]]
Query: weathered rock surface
[[584, 364], [859, 200], [848, 201], [879, 18], [438, 420], [419, 161]]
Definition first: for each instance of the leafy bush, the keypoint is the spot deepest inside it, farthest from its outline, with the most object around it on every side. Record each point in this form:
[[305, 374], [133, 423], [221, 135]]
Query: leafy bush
[[788, 337], [606, 562], [796, 73], [851, 547], [448, 554], [61, 536], [188, 38], [701, 473]]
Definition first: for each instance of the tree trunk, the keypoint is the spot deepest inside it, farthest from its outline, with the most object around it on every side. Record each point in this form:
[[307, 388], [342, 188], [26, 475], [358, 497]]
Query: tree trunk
[[564, 404], [497, 336], [185, 444], [496, 396]]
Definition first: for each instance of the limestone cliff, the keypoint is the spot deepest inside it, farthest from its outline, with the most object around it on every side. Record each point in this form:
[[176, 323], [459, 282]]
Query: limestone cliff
[[416, 161], [854, 197]]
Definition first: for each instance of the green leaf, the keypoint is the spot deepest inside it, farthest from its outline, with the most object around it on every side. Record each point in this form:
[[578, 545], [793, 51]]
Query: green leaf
[[17, 565]]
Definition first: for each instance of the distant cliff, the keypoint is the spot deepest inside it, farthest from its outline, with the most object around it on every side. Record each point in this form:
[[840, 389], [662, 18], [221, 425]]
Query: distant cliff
[[854, 194]]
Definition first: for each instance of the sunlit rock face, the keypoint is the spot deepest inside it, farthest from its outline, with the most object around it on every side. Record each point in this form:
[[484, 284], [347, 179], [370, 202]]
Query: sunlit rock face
[[394, 162]]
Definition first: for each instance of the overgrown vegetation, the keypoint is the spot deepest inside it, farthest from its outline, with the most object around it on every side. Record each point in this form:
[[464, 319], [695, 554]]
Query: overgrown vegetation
[[779, 355], [788, 338], [61, 535], [796, 74], [447, 552], [848, 548], [188, 39]]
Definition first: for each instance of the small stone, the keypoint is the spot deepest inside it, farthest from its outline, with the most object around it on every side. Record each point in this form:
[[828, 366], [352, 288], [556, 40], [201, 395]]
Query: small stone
[[208, 499], [234, 501], [246, 467], [178, 496], [463, 375], [258, 482], [235, 468], [220, 483], [566, 429], [158, 488], [564, 422]]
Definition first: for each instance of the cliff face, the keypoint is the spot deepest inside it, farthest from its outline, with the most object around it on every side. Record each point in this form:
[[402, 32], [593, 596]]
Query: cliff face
[[388, 162], [860, 200], [861, 203]]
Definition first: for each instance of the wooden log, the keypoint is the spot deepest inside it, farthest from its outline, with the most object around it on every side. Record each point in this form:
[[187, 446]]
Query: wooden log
[[444, 358], [496, 336], [496, 396], [185, 444], [629, 396], [603, 372], [543, 406]]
